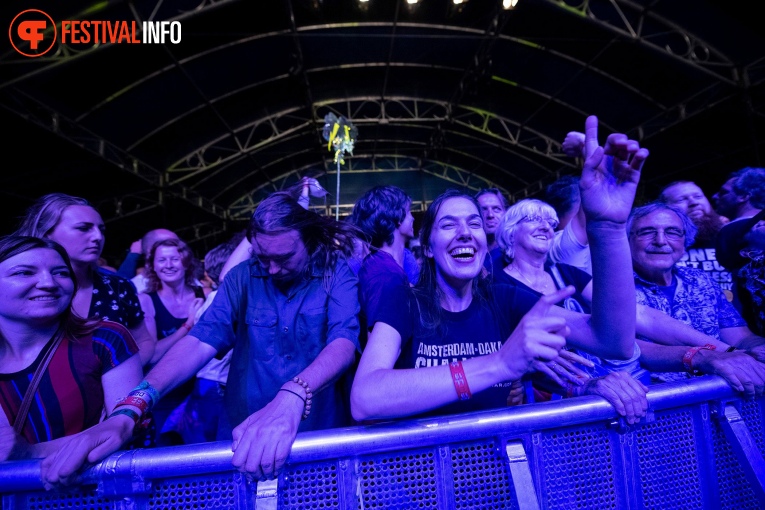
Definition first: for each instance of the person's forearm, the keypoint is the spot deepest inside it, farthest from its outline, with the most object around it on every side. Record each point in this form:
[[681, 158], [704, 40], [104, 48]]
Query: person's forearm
[[661, 358], [613, 289], [579, 226], [179, 364], [662, 329], [129, 266], [750, 342], [389, 393], [240, 254], [145, 342], [162, 346], [329, 365]]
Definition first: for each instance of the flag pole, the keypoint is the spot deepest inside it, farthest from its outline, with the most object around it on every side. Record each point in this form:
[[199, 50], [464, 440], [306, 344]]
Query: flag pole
[[337, 194]]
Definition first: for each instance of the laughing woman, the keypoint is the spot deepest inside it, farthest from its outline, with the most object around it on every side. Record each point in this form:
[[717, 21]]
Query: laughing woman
[[467, 340], [58, 371]]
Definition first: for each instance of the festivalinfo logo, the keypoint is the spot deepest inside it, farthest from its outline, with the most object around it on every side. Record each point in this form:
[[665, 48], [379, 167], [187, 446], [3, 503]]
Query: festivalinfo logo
[[33, 33]]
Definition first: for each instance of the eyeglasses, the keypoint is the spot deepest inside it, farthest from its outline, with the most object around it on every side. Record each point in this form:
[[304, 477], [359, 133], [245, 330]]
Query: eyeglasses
[[538, 220], [650, 233]]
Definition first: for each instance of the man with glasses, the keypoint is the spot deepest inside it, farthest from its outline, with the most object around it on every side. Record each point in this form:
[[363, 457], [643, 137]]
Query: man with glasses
[[658, 236]]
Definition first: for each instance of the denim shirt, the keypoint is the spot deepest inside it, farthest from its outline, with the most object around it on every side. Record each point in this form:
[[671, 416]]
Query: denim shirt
[[699, 302], [275, 336]]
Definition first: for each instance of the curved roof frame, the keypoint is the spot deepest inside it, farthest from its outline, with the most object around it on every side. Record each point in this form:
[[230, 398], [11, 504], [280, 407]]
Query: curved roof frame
[[187, 176]]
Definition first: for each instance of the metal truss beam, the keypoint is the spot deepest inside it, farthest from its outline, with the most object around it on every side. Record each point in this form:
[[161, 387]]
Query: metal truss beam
[[346, 209], [637, 22], [282, 126], [228, 148], [413, 110], [202, 231], [704, 100]]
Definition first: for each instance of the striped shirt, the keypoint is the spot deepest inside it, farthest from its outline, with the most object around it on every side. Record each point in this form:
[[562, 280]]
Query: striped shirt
[[70, 396]]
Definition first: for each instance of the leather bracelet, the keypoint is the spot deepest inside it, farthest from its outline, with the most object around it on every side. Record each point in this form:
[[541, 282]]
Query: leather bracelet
[[296, 394], [459, 380], [730, 349]]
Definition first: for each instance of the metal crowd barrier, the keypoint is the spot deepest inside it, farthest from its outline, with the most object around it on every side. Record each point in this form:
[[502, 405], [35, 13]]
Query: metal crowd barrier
[[699, 447]]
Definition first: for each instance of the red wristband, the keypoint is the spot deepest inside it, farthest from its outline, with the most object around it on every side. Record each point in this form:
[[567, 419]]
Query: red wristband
[[460, 381], [134, 401], [690, 353]]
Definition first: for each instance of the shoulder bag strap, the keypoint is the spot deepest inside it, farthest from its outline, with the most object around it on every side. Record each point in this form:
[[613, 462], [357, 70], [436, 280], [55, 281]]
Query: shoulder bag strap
[[21, 417]]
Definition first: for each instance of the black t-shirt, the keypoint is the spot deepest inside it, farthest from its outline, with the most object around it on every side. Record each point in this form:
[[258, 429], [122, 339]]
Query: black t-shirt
[[569, 274], [479, 330]]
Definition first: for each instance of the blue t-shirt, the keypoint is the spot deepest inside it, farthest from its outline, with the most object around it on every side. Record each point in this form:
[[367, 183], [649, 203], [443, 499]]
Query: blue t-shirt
[[383, 287]]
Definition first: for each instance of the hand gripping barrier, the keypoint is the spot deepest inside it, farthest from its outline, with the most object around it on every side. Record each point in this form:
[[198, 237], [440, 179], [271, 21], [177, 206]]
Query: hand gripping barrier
[[699, 447]]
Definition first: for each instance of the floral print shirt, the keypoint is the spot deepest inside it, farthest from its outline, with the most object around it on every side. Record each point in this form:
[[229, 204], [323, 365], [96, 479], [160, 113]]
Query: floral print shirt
[[698, 301], [115, 299]]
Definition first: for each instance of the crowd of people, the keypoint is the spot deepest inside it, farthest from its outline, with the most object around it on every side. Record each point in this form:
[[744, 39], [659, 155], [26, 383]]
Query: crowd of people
[[306, 323]]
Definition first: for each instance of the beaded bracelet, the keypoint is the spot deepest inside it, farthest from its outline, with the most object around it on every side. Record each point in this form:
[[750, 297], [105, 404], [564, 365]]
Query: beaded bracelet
[[308, 395], [460, 381]]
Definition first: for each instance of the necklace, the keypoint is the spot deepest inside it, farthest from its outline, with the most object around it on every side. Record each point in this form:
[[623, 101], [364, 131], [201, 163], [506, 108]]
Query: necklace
[[544, 287]]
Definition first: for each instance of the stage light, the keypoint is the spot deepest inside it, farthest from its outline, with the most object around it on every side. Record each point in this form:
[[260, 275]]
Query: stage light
[[509, 4]]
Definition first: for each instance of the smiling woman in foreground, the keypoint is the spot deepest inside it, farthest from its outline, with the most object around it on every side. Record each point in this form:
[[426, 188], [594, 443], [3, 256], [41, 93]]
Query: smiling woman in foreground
[[59, 371], [468, 341]]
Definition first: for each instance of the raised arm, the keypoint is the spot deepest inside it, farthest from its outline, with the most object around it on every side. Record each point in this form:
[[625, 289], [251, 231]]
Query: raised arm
[[240, 254], [608, 192]]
